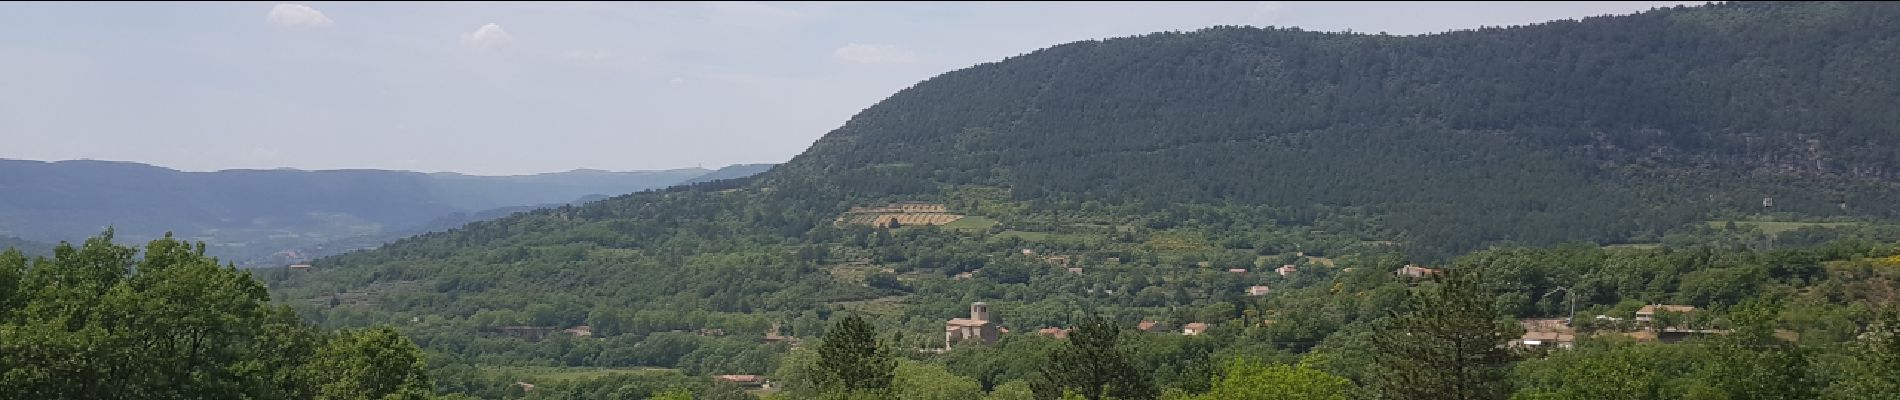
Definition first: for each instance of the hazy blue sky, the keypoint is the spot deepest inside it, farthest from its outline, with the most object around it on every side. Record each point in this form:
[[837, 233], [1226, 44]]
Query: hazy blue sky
[[507, 88]]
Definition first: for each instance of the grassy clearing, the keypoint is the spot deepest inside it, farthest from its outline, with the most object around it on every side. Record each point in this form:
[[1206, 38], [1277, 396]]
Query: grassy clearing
[[1328, 262], [1777, 227], [971, 224], [853, 274]]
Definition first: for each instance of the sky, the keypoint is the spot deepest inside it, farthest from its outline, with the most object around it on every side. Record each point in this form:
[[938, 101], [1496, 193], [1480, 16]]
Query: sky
[[518, 88]]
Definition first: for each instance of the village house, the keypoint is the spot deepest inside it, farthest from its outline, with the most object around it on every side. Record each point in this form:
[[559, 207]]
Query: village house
[[1545, 332], [1075, 270], [1545, 339], [300, 267], [1060, 261], [1242, 271], [1194, 329], [1285, 270], [1648, 312], [1259, 290], [1054, 332], [979, 327], [1414, 271], [1154, 326]]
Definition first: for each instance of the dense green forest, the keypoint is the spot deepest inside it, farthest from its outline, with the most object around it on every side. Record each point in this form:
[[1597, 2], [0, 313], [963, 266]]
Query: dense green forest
[[1731, 161], [1604, 129]]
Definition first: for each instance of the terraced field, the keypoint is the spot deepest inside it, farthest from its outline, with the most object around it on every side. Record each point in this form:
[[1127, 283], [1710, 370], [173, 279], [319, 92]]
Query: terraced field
[[904, 214]]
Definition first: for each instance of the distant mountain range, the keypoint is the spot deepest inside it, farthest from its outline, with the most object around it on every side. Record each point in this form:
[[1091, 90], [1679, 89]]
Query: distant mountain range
[[252, 214], [734, 171], [31, 248]]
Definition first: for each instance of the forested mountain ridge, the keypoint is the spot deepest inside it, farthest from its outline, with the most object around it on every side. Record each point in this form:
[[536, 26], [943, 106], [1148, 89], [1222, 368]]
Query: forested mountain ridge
[[1607, 126], [1172, 173], [244, 214], [1606, 129]]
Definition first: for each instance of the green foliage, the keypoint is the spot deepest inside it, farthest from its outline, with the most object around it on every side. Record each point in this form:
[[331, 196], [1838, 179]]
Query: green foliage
[[641, 385], [1750, 363], [97, 321], [1870, 373], [1448, 343], [1249, 380], [674, 394], [918, 381], [851, 360], [1014, 390], [373, 364], [1094, 367], [1627, 372]]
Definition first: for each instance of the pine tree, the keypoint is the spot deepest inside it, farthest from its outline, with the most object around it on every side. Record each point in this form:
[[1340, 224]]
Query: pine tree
[[1093, 367], [851, 360], [1449, 343]]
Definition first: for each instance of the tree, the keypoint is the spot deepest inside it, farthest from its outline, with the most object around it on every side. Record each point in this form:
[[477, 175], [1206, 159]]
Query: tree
[[674, 394], [1448, 344], [1093, 367], [917, 381], [371, 364], [851, 360], [1014, 390], [98, 321], [1611, 372], [1249, 380], [1751, 363], [1874, 371]]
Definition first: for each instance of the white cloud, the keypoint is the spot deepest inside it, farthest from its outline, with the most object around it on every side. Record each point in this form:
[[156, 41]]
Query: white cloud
[[873, 54], [488, 37], [300, 16], [676, 81], [1267, 12]]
